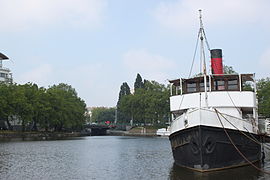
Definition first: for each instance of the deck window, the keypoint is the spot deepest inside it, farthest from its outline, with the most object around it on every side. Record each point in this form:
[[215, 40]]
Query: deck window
[[202, 86], [233, 84], [247, 113], [191, 87], [219, 85]]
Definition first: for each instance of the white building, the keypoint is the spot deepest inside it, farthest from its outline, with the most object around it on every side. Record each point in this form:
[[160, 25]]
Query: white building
[[5, 73]]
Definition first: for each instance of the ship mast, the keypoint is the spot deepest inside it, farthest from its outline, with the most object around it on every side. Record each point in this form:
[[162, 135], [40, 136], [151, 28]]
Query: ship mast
[[202, 38], [202, 56]]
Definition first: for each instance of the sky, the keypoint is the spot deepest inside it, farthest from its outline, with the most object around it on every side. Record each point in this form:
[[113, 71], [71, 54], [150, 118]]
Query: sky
[[96, 45]]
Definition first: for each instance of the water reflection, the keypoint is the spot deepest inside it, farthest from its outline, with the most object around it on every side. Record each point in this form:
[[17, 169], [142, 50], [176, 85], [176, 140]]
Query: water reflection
[[245, 173]]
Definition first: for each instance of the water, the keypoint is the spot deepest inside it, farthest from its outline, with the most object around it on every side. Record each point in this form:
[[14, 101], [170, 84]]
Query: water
[[103, 157]]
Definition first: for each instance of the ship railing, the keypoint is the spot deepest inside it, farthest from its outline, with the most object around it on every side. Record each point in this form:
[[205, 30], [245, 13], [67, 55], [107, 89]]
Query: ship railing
[[249, 119], [217, 82], [228, 115]]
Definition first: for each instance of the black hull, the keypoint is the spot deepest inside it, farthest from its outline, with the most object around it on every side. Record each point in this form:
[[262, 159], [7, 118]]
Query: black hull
[[205, 148]]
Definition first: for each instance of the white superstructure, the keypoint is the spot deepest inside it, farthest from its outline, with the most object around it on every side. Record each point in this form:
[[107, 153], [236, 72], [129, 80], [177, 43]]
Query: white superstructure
[[191, 105]]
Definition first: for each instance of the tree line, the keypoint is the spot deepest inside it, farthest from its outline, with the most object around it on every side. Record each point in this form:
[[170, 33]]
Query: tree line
[[100, 115], [147, 105], [263, 95], [29, 107]]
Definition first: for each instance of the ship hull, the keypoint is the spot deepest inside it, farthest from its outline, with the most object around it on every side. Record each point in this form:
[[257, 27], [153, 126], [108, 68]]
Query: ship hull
[[205, 148]]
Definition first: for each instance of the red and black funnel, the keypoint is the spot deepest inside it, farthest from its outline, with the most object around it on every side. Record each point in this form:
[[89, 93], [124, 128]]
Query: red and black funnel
[[216, 61]]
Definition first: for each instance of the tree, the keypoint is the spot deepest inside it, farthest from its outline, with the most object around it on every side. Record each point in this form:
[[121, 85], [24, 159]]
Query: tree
[[43, 109], [122, 117], [124, 90], [26, 100], [228, 70], [138, 83], [6, 108], [103, 114], [264, 96], [67, 108], [157, 103], [149, 105], [58, 107]]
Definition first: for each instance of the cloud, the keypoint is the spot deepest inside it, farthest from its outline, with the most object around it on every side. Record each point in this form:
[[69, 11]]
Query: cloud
[[95, 82], [17, 15], [183, 14], [40, 75], [152, 66], [265, 59]]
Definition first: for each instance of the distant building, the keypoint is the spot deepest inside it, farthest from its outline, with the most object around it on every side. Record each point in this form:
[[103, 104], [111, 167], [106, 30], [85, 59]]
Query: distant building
[[88, 113], [5, 73]]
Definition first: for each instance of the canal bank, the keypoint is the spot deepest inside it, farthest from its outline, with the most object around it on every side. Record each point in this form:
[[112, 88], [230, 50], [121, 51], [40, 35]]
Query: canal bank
[[6, 135], [137, 131]]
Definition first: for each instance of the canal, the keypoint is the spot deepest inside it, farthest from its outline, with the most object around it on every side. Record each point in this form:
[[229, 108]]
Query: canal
[[103, 157]]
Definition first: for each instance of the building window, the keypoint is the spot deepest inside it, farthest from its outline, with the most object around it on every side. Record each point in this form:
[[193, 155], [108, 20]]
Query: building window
[[3, 75]]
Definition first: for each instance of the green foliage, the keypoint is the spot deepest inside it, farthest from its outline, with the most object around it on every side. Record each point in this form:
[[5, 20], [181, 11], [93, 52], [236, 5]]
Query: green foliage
[[102, 114], [149, 105], [57, 108], [138, 83], [124, 90], [228, 70], [121, 115], [264, 97], [247, 87]]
